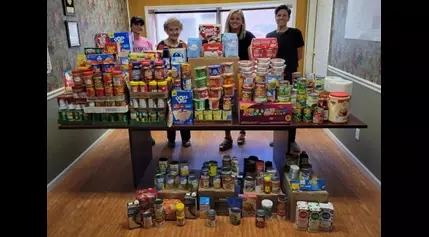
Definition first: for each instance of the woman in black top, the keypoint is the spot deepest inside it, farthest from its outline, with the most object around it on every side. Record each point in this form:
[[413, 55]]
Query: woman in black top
[[235, 23]]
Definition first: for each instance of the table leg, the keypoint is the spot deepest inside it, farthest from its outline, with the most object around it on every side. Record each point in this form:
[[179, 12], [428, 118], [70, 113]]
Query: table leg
[[141, 153], [280, 148]]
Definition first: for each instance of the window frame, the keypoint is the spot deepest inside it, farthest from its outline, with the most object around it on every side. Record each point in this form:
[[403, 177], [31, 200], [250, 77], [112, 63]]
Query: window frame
[[151, 11]]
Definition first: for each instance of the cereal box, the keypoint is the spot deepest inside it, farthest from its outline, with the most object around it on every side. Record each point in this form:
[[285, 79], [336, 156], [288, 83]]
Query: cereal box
[[212, 50], [326, 216], [314, 217], [194, 47], [182, 107], [204, 206], [230, 44], [134, 217], [210, 33], [249, 204], [301, 219], [124, 39], [101, 39], [264, 47]]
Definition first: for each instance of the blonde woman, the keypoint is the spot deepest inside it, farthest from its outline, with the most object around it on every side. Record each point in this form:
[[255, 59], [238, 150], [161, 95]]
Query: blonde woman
[[235, 23], [173, 27]]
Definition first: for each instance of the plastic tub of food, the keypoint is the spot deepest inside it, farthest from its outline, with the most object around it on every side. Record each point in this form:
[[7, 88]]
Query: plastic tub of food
[[202, 93], [228, 79], [263, 65], [245, 69], [263, 60], [214, 70], [228, 90], [201, 82], [278, 69], [227, 67], [244, 63], [200, 71], [215, 92], [215, 81], [277, 62], [214, 104]]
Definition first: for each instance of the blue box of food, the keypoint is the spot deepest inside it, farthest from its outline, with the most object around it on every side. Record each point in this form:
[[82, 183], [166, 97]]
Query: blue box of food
[[182, 107], [124, 38]]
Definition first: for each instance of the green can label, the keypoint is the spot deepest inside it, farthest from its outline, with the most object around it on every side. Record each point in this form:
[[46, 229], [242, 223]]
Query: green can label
[[297, 115], [308, 116]]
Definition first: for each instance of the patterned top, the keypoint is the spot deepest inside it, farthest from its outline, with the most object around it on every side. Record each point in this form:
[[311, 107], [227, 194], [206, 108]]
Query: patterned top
[[162, 44]]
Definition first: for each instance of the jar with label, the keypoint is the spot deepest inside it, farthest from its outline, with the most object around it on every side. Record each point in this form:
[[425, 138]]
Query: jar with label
[[227, 178], [77, 77], [282, 206], [249, 184], [193, 182], [136, 71], [212, 168], [226, 161], [108, 79], [211, 218], [267, 184], [312, 100], [267, 205], [162, 86], [323, 103], [184, 168], [142, 86], [159, 182], [147, 71], [163, 165], [217, 181], [259, 184], [87, 78], [160, 103], [147, 220], [151, 103], [293, 173], [98, 81], [260, 90], [142, 103], [183, 182], [205, 181], [159, 71], [118, 90], [235, 216], [260, 218], [118, 79], [234, 166], [275, 185], [135, 87], [153, 86], [180, 214], [169, 181], [159, 213]]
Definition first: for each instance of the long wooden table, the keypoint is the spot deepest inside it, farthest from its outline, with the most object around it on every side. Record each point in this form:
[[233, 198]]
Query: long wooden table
[[141, 142]]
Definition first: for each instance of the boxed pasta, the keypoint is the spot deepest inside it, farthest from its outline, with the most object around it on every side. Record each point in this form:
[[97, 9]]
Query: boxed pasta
[[212, 50], [264, 47]]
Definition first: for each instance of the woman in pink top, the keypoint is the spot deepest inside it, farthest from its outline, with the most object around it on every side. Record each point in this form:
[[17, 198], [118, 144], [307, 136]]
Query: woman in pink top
[[140, 43]]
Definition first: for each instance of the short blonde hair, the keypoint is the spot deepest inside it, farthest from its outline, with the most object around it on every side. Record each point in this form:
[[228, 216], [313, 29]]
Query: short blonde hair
[[242, 34], [173, 21]]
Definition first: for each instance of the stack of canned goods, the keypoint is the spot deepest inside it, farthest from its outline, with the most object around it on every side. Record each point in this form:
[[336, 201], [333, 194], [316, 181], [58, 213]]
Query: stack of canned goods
[[213, 176], [175, 175]]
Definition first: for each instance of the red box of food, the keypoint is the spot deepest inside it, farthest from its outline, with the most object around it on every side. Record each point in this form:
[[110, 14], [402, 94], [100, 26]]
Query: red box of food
[[212, 50], [210, 33], [101, 39], [265, 113], [264, 47], [111, 48]]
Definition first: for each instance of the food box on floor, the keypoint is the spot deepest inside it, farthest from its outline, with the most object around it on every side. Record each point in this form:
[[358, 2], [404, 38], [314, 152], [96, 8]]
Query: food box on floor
[[182, 107], [170, 208], [264, 47], [265, 113], [294, 196], [217, 199]]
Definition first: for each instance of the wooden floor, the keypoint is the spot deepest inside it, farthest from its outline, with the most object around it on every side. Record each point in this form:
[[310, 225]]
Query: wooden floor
[[91, 200]]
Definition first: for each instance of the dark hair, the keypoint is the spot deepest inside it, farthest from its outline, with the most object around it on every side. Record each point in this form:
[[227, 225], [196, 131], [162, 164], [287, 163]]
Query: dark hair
[[282, 7], [137, 20]]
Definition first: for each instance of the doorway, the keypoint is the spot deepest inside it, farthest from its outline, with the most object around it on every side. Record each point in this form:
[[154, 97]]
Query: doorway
[[319, 23]]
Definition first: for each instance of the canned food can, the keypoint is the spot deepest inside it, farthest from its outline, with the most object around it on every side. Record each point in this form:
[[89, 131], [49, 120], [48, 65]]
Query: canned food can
[[300, 101], [307, 116], [318, 115], [297, 115], [217, 183], [211, 218], [176, 71], [169, 182], [159, 182], [183, 182], [186, 84]]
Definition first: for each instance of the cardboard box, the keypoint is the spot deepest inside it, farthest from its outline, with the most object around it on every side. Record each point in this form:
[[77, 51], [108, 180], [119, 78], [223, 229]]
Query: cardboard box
[[261, 196], [173, 194], [217, 199], [264, 47], [210, 33], [213, 50], [182, 107], [294, 196], [265, 113], [124, 39]]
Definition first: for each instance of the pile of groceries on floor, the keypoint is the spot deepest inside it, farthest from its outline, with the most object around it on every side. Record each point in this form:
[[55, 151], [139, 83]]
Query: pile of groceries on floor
[[204, 83], [219, 189]]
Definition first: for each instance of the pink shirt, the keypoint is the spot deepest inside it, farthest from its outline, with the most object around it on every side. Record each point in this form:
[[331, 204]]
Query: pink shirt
[[142, 44]]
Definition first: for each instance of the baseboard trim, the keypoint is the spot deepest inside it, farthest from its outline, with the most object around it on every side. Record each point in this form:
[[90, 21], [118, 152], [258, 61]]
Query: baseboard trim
[[53, 94], [63, 174], [353, 158], [348, 76]]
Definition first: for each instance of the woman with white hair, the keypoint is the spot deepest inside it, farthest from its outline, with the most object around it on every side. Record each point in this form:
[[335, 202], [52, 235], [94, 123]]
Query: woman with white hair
[[173, 27], [235, 23]]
